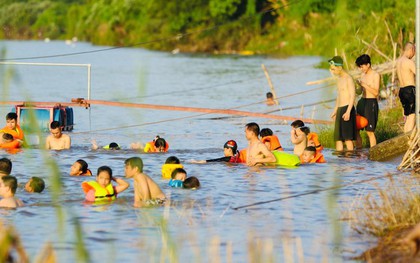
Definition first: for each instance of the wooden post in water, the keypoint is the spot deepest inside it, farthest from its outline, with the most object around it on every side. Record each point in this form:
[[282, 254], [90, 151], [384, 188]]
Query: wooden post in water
[[270, 84]]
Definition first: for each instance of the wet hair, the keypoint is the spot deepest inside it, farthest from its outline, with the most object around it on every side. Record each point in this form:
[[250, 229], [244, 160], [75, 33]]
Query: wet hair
[[363, 60], [252, 126], [191, 183], [266, 132], [160, 142], [176, 171], [10, 181], [7, 137], [310, 149], [5, 165], [11, 116], [305, 130], [135, 162], [37, 184], [83, 164], [297, 124], [172, 160], [114, 146], [105, 169], [55, 125], [269, 95]]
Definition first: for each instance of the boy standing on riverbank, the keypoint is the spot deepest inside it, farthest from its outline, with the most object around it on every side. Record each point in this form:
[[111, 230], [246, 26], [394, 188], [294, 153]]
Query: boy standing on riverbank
[[344, 112], [146, 191], [368, 104], [406, 71]]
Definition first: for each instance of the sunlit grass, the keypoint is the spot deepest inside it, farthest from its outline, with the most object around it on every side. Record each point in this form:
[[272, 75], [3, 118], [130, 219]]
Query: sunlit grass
[[397, 206]]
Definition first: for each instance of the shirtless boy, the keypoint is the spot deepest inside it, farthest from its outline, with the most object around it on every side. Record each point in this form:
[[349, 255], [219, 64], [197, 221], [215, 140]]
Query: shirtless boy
[[257, 152], [8, 185], [344, 112], [146, 191], [57, 140], [368, 104], [298, 137], [406, 71]]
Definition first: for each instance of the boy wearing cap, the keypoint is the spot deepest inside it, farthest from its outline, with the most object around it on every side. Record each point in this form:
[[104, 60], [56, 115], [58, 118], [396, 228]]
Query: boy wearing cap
[[230, 150], [344, 112]]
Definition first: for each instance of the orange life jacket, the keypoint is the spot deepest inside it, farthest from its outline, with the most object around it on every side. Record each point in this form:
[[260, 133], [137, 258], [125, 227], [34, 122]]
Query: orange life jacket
[[242, 156], [312, 136], [10, 145], [274, 142], [319, 158], [17, 133]]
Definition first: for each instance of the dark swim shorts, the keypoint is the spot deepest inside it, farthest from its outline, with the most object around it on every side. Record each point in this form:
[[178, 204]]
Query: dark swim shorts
[[408, 99], [369, 109], [345, 130]]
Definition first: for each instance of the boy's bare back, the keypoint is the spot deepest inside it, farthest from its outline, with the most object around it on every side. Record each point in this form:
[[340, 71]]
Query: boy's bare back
[[146, 189]]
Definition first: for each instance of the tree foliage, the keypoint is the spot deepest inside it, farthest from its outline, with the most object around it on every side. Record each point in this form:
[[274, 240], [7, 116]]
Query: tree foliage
[[265, 26]]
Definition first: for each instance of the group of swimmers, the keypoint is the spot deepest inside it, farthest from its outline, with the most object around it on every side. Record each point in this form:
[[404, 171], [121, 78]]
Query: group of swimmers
[[260, 151]]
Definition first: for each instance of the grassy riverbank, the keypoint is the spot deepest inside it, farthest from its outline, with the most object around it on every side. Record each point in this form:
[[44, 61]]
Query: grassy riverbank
[[286, 27]]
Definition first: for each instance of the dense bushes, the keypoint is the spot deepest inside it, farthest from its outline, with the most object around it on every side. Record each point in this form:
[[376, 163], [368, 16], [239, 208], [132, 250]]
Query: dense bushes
[[268, 26]]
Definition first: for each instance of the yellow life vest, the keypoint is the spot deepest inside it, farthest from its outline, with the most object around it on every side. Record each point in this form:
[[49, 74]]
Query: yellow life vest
[[101, 194], [168, 168]]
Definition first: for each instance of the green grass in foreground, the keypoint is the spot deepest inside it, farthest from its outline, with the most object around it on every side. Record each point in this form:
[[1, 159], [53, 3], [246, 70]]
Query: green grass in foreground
[[388, 127]]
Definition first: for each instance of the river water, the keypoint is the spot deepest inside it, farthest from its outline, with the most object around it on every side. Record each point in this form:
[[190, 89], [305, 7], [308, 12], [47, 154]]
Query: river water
[[200, 225]]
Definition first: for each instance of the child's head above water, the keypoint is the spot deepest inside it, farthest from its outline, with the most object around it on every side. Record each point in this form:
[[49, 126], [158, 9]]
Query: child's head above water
[[9, 182], [179, 174], [266, 132], [104, 176], [308, 154], [160, 144], [79, 167], [230, 148], [6, 137], [191, 183], [172, 160], [5, 166], [35, 185]]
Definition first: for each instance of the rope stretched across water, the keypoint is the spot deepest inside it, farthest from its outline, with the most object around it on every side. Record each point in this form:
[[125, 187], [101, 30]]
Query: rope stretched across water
[[311, 192]]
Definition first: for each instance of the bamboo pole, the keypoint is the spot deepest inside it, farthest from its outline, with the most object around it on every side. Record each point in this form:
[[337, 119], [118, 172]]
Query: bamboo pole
[[393, 75], [270, 84], [377, 50]]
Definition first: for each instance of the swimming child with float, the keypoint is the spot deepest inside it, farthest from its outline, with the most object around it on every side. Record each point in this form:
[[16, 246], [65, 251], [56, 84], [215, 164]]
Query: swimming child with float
[[310, 155], [171, 163], [7, 142], [12, 127], [270, 140], [157, 145], [102, 189], [80, 168], [230, 150]]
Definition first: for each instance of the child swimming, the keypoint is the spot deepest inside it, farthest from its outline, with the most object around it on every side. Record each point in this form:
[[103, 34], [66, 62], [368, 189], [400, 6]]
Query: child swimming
[[8, 186], [171, 163], [178, 176], [102, 189], [80, 168], [35, 185]]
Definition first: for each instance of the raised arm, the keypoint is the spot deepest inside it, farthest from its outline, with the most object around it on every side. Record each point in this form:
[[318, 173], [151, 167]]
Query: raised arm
[[122, 185]]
